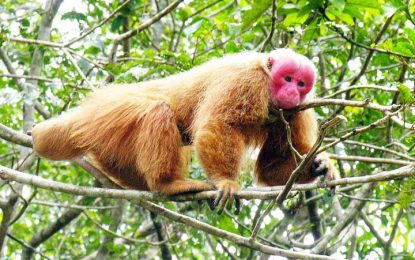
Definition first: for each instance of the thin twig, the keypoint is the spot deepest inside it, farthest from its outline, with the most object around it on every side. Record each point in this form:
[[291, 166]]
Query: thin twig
[[76, 39], [352, 211], [375, 147], [128, 239], [78, 69], [148, 22], [273, 20], [24, 244], [376, 87], [340, 102], [368, 159], [36, 42], [361, 129], [295, 153], [336, 29]]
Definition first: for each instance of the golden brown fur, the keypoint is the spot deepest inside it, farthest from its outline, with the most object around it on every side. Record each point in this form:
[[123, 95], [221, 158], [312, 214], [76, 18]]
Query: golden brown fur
[[133, 132]]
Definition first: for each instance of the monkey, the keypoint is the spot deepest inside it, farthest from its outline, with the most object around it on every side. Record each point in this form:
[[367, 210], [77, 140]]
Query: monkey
[[133, 133]]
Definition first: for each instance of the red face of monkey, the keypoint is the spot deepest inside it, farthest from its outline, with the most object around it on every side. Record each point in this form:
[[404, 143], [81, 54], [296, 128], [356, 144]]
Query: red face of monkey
[[292, 77]]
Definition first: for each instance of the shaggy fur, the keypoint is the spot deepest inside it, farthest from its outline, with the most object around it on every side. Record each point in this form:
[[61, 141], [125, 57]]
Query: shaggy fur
[[133, 133]]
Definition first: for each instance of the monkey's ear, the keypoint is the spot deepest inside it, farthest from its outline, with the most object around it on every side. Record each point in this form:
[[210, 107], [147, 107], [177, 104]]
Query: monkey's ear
[[270, 62]]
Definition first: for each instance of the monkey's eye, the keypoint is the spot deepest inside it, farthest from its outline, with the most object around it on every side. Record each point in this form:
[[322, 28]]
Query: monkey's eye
[[301, 84], [288, 79]]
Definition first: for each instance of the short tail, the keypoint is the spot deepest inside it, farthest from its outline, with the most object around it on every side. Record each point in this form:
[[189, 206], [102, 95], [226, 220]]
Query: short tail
[[52, 139]]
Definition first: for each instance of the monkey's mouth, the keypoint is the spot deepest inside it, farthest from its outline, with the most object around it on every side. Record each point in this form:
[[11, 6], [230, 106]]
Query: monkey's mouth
[[287, 104]]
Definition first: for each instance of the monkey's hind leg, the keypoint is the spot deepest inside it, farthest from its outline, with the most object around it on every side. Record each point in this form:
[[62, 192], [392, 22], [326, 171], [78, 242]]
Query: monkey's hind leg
[[161, 156]]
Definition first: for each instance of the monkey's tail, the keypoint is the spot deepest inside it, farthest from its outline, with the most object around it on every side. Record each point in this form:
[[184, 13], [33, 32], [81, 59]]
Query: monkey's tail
[[52, 139]]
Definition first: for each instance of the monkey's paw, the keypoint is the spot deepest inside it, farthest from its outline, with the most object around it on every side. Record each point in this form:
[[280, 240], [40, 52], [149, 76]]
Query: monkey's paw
[[227, 196], [322, 166]]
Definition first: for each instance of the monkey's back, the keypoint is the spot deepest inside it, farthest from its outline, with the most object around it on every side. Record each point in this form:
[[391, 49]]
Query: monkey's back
[[187, 91]]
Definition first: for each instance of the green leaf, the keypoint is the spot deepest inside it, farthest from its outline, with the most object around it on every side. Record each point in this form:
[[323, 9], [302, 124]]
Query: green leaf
[[231, 47], [290, 19], [117, 23], [251, 15], [25, 22], [330, 15], [396, 3], [170, 205], [405, 199], [353, 11], [73, 15], [323, 29], [311, 31], [306, 10], [338, 4], [201, 27], [366, 4], [407, 96], [93, 50], [404, 47], [345, 18], [293, 19], [410, 34], [327, 198], [331, 12], [412, 8]]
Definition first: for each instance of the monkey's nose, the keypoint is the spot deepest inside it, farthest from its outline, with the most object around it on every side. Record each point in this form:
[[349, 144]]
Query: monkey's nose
[[289, 98]]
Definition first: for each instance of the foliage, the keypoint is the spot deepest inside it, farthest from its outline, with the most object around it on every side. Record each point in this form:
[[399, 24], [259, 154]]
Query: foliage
[[352, 42]]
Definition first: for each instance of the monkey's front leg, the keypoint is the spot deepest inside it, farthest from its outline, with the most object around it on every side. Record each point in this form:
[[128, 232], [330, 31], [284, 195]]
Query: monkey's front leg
[[220, 148]]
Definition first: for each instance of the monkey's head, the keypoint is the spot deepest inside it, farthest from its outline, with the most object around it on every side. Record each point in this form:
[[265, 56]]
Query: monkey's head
[[292, 77]]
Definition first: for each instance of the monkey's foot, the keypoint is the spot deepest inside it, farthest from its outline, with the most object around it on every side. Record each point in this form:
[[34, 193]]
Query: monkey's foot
[[185, 186], [322, 166], [319, 167], [227, 195]]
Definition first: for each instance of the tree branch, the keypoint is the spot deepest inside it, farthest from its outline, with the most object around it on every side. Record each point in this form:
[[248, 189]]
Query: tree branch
[[135, 196], [273, 20], [148, 22], [351, 213], [55, 226], [76, 39]]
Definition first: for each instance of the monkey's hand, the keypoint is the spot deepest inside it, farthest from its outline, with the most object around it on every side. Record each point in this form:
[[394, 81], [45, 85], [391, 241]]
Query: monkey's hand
[[322, 166], [227, 195]]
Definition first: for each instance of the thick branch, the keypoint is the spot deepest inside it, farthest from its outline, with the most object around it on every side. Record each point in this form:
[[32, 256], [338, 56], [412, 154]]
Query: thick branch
[[259, 193], [14, 136], [9, 174]]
